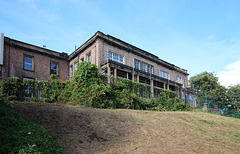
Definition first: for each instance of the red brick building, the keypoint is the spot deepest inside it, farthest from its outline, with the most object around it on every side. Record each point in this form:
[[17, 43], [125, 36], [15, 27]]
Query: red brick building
[[27, 61], [114, 58]]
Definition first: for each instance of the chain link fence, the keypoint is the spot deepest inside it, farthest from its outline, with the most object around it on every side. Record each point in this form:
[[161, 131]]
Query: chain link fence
[[212, 105]]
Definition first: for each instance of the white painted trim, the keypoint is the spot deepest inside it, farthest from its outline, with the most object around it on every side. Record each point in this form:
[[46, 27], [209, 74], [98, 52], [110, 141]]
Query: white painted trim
[[1, 48]]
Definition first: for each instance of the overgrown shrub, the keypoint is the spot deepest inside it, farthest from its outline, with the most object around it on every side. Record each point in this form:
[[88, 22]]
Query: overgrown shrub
[[167, 101], [89, 88], [11, 87]]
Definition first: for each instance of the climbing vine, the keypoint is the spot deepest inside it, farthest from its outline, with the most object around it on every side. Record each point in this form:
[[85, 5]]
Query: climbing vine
[[89, 88]]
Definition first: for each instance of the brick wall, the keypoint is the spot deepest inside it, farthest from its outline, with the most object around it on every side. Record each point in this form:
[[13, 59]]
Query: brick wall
[[14, 64], [129, 60], [93, 49], [14, 60]]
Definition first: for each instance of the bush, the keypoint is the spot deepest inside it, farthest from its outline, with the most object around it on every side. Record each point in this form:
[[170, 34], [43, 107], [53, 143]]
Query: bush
[[51, 90], [89, 88], [11, 87], [167, 101]]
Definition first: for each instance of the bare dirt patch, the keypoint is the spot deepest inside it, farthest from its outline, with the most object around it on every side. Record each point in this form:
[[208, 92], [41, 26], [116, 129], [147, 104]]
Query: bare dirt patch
[[89, 130]]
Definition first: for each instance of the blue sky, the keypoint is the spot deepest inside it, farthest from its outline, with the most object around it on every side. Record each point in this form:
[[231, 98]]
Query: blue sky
[[197, 35]]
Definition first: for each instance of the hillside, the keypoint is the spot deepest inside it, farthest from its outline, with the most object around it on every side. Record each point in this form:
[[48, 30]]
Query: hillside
[[89, 130]]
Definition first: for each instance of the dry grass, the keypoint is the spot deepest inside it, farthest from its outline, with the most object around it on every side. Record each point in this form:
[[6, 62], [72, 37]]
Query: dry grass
[[88, 130]]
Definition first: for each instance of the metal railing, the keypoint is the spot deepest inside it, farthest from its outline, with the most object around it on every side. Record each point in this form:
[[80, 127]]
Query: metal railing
[[130, 62]]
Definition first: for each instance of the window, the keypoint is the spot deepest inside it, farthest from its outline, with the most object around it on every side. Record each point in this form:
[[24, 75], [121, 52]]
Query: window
[[144, 67], [28, 63], [82, 60], [150, 69], [180, 80], [71, 71], [192, 101], [137, 64], [89, 57], [39, 90], [54, 68], [183, 98], [28, 91], [115, 57], [183, 82], [75, 66], [164, 74]]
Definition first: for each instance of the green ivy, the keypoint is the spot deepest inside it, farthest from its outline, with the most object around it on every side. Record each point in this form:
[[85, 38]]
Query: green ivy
[[11, 87], [89, 88]]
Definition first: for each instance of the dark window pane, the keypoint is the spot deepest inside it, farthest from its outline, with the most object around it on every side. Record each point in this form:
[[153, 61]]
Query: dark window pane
[[28, 63], [137, 64], [28, 59], [28, 67], [53, 71], [53, 66]]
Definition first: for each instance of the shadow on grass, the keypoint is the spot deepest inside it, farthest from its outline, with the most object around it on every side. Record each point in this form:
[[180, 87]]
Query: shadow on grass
[[80, 129]]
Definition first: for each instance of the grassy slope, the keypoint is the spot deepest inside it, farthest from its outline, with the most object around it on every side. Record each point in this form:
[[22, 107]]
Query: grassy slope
[[20, 136], [88, 130]]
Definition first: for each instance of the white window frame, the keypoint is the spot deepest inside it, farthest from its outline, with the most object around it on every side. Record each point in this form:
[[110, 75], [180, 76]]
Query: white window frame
[[192, 101], [138, 66], [89, 57], [181, 80], [178, 79], [151, 69], [75, 66], [70, 71], [115, 57], [27, 63], [164, 74], [144, 67], [27, 90], [52, 62]]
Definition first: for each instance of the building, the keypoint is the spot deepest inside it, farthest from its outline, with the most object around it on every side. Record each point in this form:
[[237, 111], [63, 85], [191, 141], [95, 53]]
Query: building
[[114, 58], [27, 61]]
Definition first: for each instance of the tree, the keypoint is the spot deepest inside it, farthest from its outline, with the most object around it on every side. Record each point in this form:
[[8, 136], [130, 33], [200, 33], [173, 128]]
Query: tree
[[233, 95], [203, 82], [207, 85]]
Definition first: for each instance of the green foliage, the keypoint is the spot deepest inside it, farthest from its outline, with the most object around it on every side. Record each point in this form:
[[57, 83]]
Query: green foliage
[[233, 95], [131, 87], [11, 87], [29, 88], [51, 90], [130, 93], [167, 101], [20, 136], [53, 76], [228, 100], [87, 74], [89, 88], [207, 84], [203, 82]]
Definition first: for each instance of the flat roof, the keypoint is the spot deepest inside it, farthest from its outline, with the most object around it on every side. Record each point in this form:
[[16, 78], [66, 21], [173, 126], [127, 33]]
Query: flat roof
[[34, 48], [126, 46]]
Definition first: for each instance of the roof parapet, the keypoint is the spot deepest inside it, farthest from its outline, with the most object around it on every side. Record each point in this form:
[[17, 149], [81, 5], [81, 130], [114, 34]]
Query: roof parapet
[[34, 48]]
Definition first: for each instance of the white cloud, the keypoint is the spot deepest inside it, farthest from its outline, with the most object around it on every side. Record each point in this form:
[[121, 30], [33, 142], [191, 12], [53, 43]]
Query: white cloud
[[43, 9], [231, 76]]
